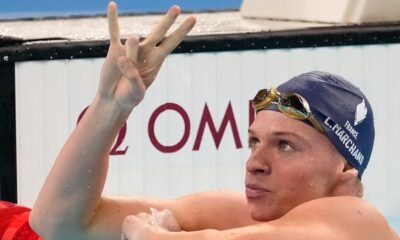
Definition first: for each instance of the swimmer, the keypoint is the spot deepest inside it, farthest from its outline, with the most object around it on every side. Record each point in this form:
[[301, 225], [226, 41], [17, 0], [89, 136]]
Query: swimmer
[[303, 176]]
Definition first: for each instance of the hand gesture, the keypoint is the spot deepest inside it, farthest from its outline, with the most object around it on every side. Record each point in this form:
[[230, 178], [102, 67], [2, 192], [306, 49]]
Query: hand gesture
[[130, 68]]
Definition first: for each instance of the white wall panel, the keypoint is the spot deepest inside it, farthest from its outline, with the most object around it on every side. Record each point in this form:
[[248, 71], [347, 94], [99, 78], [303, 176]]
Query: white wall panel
[[51, 95]]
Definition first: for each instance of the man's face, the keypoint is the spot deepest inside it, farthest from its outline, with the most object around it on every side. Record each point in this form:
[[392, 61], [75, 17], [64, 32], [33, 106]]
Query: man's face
[[290, 163]]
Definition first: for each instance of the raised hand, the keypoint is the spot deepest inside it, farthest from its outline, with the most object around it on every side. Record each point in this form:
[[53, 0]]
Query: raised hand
[[130, 69]]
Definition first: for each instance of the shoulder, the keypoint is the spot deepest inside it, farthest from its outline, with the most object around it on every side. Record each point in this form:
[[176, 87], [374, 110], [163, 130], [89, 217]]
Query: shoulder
[[342, 206], [341, 202], [346, 216], [333, 218]]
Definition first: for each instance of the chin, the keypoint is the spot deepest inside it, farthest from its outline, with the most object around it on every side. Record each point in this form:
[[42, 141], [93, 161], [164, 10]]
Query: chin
[[262, 217], [263, 214]]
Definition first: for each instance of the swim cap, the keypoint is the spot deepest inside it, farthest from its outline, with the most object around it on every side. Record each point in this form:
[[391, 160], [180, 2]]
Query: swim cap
[[342, 110]]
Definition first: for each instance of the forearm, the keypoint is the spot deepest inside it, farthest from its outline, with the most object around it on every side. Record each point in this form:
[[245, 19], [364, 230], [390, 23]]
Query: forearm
[[254, 232], [134, 228], [211, 234], [72, 190]]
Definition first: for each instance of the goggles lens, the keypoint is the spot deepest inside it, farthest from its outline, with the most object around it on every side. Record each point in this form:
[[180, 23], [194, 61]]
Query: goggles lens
[[293, 105]]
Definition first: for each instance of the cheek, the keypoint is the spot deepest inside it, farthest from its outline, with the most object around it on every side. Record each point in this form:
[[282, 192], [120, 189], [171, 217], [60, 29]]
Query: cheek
[[304, 182], [298, 182]]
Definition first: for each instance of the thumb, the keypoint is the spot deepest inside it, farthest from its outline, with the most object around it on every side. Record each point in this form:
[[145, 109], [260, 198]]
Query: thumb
[[130, 72], [132, 89], [127, 68]]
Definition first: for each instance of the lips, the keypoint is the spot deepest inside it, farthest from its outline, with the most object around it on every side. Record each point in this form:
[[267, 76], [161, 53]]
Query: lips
[[256, 191]]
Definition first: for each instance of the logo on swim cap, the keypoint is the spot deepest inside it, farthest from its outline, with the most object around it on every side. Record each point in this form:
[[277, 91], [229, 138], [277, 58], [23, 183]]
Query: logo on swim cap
[[361, 113]]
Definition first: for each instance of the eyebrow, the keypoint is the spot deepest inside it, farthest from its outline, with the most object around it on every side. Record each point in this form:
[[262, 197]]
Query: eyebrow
[[293, 134], [281, 133]]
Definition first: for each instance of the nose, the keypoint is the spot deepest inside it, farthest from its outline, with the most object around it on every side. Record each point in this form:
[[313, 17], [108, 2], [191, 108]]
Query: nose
[[258, 164]]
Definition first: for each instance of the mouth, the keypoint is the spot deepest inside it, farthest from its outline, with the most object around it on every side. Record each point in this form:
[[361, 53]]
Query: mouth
[[254, 191]]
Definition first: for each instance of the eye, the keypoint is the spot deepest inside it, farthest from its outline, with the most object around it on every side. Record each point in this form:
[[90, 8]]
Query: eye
[[253, 142], [285, 146]]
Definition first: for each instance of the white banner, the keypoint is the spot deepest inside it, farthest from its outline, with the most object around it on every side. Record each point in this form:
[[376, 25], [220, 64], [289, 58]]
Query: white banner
[[190, 132]]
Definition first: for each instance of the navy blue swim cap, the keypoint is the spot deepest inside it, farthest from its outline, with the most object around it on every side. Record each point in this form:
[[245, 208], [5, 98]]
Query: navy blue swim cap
[[342, 110]]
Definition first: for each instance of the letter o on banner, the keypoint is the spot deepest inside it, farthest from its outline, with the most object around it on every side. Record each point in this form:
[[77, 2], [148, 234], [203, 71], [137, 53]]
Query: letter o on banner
[[153, 118]]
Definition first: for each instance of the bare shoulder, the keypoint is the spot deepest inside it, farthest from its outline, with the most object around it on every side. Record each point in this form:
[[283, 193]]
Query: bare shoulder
[[346, 217]]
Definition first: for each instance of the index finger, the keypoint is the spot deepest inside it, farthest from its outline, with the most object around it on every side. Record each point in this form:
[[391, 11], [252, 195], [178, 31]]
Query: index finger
[[113, 26]]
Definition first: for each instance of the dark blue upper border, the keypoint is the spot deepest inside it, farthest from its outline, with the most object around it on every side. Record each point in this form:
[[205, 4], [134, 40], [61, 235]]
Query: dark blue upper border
[[10, 9]]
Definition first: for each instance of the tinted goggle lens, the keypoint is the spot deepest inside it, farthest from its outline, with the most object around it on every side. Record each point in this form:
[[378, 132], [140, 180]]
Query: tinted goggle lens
[[292, 105], [263, 98]]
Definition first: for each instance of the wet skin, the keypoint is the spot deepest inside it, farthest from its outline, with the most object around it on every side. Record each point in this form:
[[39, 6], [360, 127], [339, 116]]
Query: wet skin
[[290, 163]]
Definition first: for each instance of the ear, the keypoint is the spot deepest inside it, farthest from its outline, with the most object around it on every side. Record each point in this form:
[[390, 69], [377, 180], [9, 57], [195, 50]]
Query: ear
[[349, 173], [348, 183]]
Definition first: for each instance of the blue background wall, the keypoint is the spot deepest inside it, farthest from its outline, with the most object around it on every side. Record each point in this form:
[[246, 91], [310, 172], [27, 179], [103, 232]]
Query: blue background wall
[[42, 8]]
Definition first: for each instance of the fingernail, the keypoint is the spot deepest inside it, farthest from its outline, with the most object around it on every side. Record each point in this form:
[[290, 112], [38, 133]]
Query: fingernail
[[175, 9]]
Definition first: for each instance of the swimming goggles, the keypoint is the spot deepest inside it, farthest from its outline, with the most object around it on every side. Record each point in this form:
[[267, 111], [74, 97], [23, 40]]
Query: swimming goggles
[[292, 105]]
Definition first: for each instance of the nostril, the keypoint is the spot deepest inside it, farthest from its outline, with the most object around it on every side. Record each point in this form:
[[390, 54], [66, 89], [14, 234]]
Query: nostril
[[256, 165], [256, 170], [263, 171]]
